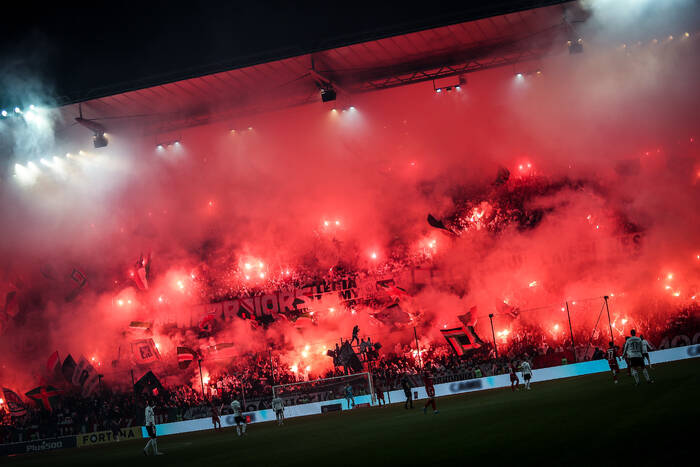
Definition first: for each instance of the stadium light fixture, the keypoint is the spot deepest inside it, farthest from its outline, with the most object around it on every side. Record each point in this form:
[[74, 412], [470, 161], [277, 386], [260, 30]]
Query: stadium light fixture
[[328, 94], [99, 139], [575, 47]]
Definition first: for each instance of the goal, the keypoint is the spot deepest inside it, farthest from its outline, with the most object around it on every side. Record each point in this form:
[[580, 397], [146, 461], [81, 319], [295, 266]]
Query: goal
[[326, 389]]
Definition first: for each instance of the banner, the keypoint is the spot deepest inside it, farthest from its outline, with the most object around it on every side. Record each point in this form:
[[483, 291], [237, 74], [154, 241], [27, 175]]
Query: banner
[[85, 376], [38, 446], [14, 403], [104, 437], [144, 351]]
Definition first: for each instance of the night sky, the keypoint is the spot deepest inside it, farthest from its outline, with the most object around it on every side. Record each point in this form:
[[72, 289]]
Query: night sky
[[92, 49]]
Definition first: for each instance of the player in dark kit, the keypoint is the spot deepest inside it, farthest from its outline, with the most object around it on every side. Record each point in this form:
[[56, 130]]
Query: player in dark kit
[[406, 386], [215, 420], [612, 360], [379, 392], [514, 380], [430, 389]]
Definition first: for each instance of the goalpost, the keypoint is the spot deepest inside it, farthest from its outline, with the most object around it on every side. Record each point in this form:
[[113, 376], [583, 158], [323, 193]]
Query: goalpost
[[320, 390]]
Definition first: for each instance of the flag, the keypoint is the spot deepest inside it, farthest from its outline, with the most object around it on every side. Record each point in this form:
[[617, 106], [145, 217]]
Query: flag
[[390, 287], [185, 355], [149, 384], [142, 273], [11, 303], [468, 319], [53, 363], [438, 224], [207, 323], [393, 314], [14, 403], [502, 176], [220, 347], [44, 394], [80, 280], [143, 325], [506, 309], [68, 368], [85, 376], [144, 351], [459, 339]]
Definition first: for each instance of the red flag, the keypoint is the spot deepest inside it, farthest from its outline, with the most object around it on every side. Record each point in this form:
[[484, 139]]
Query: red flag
[[390, 287], [506, 309], [14, 403], [468, 318], [207, 323], [45, 394], [53, 363], [459, 339], [142, 273], [11, 303], [185, 356]]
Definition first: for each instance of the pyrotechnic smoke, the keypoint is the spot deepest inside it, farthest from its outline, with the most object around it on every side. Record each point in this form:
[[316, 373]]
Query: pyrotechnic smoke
[[600, 147]]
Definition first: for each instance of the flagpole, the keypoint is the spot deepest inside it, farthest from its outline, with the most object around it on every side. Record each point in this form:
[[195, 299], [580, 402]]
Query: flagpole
[[201, 378], [493, 334], [272, 367], [420, 358], [573, 346], [243, 394], [612, 337]]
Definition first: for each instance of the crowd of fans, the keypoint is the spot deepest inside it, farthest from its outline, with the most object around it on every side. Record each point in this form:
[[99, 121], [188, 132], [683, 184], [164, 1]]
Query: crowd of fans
[[252, 379]]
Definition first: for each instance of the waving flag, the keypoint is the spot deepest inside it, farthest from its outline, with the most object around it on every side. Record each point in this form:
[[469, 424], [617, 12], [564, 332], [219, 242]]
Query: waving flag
[[142, 273], [208, 323], [459, 339], [53, 366], [14, 403], [144, 351], [44, 394], [438, 224], [11, 303], [185, 356], [390, 287], [143, 325], [80, 280], [506, 309], [68, 368]]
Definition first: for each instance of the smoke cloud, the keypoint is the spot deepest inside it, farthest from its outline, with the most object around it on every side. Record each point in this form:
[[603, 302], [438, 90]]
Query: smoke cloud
[[602, 200]]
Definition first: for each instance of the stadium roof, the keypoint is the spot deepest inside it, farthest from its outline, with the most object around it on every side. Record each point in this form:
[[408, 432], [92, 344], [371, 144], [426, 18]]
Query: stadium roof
[[424, 55]]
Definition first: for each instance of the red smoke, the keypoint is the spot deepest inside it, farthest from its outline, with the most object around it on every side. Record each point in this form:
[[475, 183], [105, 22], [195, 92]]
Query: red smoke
[[608, 137]]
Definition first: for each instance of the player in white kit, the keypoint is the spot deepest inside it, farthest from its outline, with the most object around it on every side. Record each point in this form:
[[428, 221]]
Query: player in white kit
[[633, 350], [526, 371], [238, 417], [150, 420], [278, 407]]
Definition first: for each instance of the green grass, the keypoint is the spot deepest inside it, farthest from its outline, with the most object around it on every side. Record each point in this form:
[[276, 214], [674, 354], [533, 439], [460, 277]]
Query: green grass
[[579, 421]]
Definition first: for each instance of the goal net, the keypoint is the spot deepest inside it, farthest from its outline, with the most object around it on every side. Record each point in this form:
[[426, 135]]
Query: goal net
[[326, 389]]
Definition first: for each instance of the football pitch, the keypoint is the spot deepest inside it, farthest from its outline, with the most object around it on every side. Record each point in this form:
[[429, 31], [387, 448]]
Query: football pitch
[[580, 421]]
